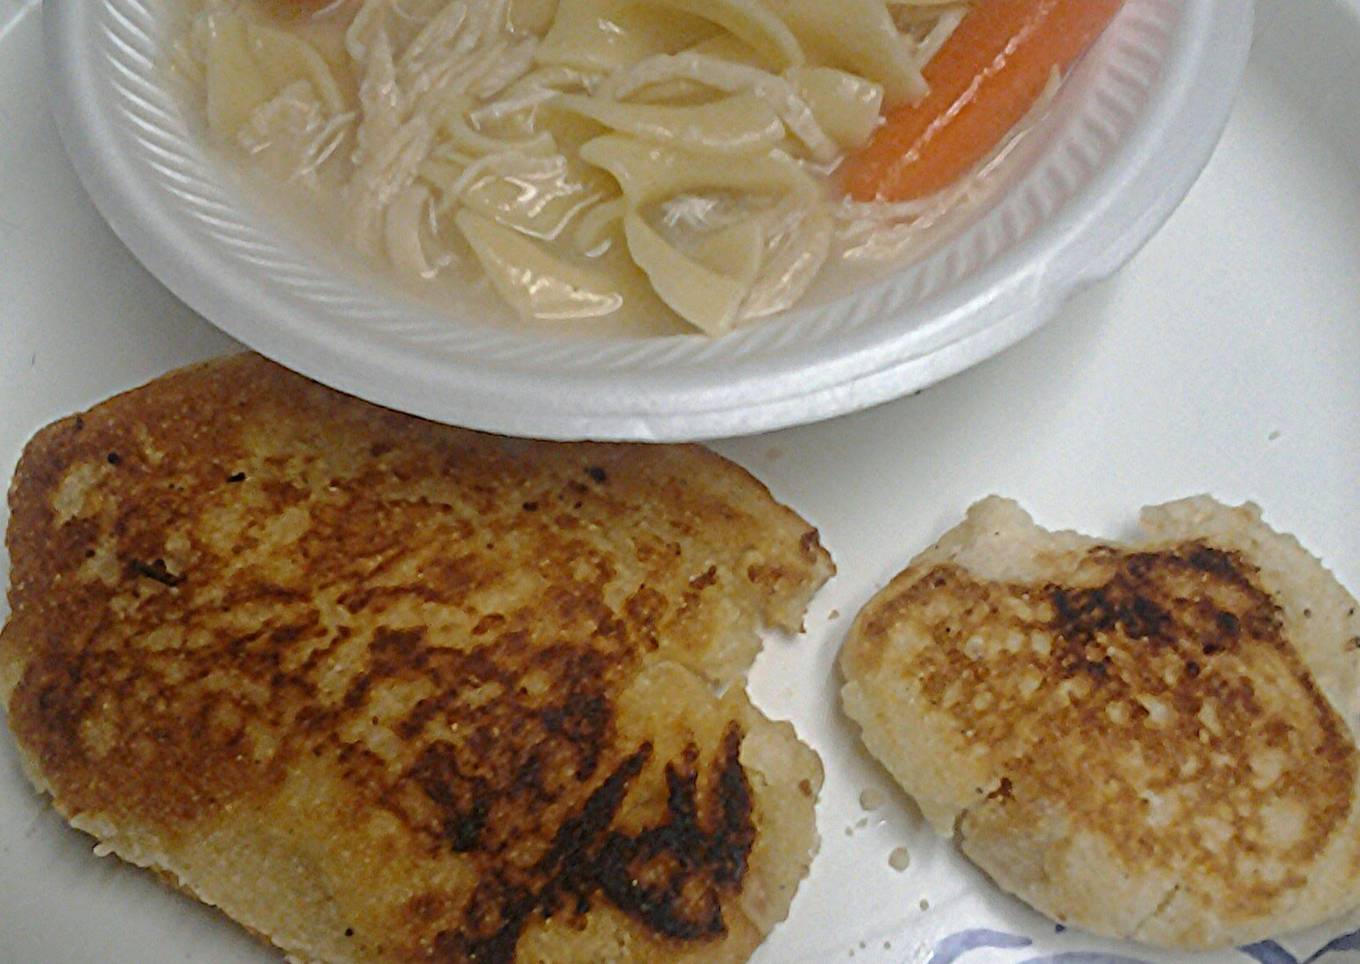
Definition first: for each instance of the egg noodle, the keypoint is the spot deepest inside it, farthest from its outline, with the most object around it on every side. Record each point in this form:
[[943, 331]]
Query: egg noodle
[[592, 156]]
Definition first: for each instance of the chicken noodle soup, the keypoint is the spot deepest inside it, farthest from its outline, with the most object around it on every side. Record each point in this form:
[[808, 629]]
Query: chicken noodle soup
[[592, 157]]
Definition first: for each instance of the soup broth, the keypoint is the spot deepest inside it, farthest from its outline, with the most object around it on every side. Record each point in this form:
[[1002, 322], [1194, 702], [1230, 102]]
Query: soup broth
[[620, 166]]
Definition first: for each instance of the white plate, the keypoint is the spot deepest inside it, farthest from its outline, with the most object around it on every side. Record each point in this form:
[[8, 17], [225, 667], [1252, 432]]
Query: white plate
[[1223, 359], [1128, 134]]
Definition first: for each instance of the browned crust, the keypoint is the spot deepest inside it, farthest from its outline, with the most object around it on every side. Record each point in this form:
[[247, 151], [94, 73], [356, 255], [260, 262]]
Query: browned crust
[[234, 572], [1149, 698]]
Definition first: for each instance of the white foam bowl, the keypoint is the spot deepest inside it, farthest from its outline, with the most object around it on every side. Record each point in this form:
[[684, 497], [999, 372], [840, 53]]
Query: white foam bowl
[[1126, 138]]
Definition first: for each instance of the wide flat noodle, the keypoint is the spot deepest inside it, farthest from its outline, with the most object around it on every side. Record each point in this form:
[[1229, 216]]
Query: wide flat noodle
[[465, 139], [750, 21], [736, 250], [859, 36], [285, 59], [701, 287], [405, 219], [605, 35], [532, 16], [733, 125], [648, 173], [236, 87], [562, 189], [799, 245], [846, 106], [705, 298], [706, 71], [533, 281], [725, 47]]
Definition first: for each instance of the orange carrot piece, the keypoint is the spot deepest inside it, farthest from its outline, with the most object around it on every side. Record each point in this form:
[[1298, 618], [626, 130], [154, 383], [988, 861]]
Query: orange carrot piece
[[984, 79]]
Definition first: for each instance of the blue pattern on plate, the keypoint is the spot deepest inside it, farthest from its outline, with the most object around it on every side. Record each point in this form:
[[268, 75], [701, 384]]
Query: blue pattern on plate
[[951, 948], [1082, 957], [955, 946], [1346, 942], [1268, 952]]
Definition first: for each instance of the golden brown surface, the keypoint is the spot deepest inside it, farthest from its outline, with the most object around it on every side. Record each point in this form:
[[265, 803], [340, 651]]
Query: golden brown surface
[[387, 690], [1132, 738]]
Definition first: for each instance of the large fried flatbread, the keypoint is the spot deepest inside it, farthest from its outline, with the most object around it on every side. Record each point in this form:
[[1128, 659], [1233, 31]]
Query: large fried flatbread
[[382, 689]]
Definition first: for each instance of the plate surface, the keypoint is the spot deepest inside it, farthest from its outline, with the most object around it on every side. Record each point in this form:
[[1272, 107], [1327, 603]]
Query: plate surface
[[1126, 137], [1223, 359]]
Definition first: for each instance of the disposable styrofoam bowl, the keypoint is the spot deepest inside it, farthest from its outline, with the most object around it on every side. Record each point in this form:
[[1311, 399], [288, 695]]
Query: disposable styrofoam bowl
[[1124, 141]]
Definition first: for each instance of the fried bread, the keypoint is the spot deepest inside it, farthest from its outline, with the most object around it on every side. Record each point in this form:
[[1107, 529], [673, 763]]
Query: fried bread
[[386, 690], [1152, 741]]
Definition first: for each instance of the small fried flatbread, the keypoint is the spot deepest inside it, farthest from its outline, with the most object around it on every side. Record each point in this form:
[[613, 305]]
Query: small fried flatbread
[[1152, 741]]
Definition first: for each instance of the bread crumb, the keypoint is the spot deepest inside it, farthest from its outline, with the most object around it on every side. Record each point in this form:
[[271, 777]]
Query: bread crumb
[[871, 798], [833, 615], [899, 859]]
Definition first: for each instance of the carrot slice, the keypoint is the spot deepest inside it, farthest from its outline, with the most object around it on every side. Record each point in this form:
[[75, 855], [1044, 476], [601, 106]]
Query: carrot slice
[[984, 79]]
